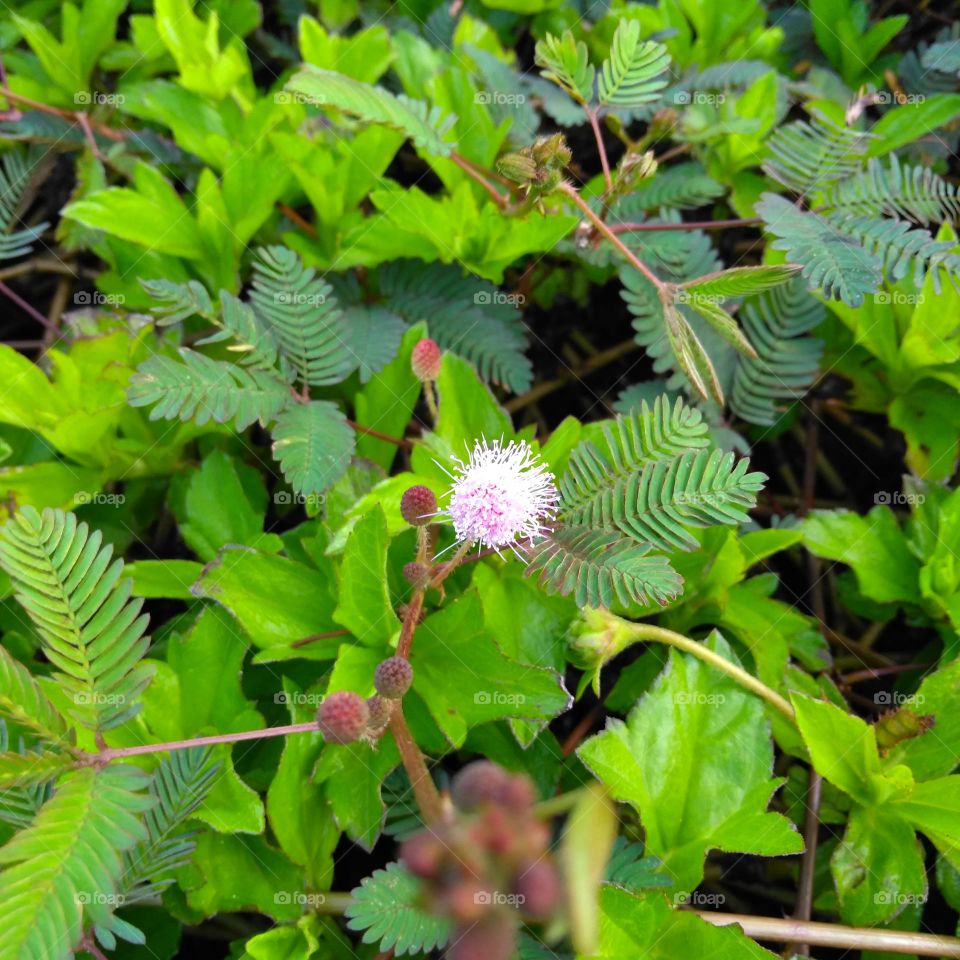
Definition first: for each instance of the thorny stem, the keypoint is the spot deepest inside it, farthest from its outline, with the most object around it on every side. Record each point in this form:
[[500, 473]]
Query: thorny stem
[[602, 228], [648, 631]]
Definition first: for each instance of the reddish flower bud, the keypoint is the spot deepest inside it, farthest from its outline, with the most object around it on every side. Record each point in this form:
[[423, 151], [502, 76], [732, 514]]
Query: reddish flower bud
[[416, 574], [477, 784], [343, 717], [538, 889], [425, 360], [490, 939], [418, 505], [422, 854], [393, 677]]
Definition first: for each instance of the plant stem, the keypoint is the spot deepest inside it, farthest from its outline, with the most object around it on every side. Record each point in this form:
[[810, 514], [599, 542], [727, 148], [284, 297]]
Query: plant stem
[[27, 307], [688, 225], [116, 753], [558, 804], [424, 789], [410, 618], [370, 432], [811, 829], [601, 149], [602, 228], [648, 631], [475, 174], [835, 935]]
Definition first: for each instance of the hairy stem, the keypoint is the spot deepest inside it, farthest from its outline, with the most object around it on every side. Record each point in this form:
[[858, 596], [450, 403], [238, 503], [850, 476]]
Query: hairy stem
[[603, 229], [631, 227], [648, 631], [117, 753], [601, 149], [475, 174], [835, 935], [424, 789]]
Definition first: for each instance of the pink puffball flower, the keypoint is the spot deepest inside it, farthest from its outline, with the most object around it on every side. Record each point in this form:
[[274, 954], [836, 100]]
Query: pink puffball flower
[[502, 494]]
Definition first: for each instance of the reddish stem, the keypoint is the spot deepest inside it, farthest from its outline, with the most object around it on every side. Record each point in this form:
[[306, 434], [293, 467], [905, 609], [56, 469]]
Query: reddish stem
[[601, 149], [370, 432], [28, 308], [475, 174], [115, 753], [424, 789], [688, 225]]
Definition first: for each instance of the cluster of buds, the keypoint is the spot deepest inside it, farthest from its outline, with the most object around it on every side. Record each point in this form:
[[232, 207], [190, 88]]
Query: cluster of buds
[[537, 168], [489, 866], [345, 716]]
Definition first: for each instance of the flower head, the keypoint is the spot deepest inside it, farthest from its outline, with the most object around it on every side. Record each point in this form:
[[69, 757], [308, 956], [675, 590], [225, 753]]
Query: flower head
[[500, 494]]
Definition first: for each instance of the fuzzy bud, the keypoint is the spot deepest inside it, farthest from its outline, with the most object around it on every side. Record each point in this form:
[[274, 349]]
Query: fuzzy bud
[[381, 709], [422, 854], [416, 574], [425, 360], [478, 784], [490, 939], [418, 505], [343, 717], [393, 677], [538, 889]]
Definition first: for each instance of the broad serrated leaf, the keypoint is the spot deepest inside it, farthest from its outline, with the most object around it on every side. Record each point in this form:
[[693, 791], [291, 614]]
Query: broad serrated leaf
[[314, 444], [675, 790]]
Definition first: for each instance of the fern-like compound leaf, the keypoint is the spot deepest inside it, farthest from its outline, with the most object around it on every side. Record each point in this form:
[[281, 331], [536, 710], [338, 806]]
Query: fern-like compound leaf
[[247, 335], [202, 389], [426, 127], [741, 281], [634, 72], [807, 155], [23, 701], [787, 363], [176, 302], [62, 873], [314, 444], [309, 328], [684, 186], [832, 259], [31, 768], [652, 494], [600, 568], [387, 907], [566, 61], [903, 191], [467, 316], [92, 630], [16, 171], [181, 781]]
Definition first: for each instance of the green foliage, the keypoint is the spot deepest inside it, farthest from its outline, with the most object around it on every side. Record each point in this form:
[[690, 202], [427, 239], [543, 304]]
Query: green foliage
[[313, 443], [91, 629], [386, 908], [17, 168]]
